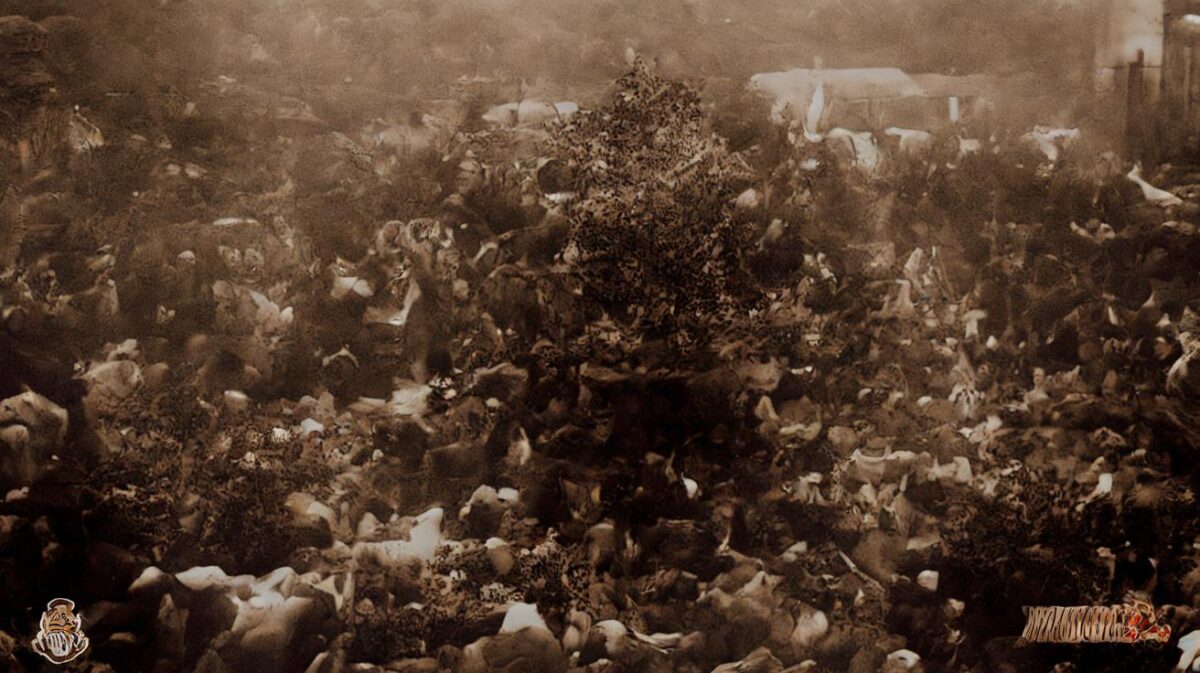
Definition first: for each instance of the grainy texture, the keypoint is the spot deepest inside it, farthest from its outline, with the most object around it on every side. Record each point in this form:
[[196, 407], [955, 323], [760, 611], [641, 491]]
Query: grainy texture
[[538, 336]]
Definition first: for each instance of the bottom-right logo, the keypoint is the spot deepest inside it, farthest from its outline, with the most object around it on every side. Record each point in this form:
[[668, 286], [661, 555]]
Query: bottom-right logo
[[1130, 623]]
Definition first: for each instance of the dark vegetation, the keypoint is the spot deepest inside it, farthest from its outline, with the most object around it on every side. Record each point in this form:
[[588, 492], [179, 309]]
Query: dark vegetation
[[692, 359]]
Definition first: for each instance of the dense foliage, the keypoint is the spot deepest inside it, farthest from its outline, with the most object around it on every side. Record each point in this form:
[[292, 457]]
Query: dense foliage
[[653, 231]]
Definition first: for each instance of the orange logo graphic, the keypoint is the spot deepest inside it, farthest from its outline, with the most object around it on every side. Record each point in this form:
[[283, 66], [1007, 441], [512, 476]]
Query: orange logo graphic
[[60, 636]]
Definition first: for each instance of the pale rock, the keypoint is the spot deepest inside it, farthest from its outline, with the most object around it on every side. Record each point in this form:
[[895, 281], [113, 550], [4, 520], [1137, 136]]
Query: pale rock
[[409, 400], [807, 488], [424, 539], [690, 485], [32, 431], [211, 662], [236, 401], [928, 579], [473, 660], [278, 627], [202, 577], [748, 200], [794, 552], [311, 426], [971, 319], [529, 113], [483, 497], [843, 439], [901, 660], [109, 384], [483, 511], [1189, 646], [878, 469], [343, 355], [530, 649], [659, 641], [322, 511], [758, 661], [1158, 197], [574, 638], [368, 527], [520, 451], [1104, 486], [759, 376], [351, 286], [765, 410], [1049, 140], [615, 636], [339, 587], [149, 578], [910, 140], [522, 616], [126, 350], [601, 541], [811, 626], [155, 375], [279, 581], [234, 221], [500, 554], [962, 470], [954, 608]]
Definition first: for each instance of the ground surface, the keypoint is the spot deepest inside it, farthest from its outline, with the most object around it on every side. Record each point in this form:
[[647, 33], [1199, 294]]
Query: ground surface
[[654, 388]]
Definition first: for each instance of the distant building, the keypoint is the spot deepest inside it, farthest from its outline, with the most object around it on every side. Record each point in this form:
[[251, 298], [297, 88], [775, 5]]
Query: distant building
[[874, 98], [1181, 66], [1128, 30], [1148, 62]]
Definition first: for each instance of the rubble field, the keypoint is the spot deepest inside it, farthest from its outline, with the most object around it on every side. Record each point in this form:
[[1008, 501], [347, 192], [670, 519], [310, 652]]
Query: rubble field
[[649, 386]]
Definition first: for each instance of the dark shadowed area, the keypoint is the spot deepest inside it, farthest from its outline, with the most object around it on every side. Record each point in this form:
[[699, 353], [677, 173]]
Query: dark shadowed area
[[515, 336]]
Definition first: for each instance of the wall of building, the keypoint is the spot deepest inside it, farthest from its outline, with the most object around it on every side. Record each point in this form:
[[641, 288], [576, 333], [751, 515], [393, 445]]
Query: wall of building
[[1125, 27], [1133, 25]]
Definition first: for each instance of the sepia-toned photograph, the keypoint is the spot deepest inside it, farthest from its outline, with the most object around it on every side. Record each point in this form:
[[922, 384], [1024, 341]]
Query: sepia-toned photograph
[[599, 336]]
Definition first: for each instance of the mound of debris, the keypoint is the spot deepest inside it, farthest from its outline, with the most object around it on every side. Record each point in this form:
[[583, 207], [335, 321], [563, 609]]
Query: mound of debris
[[635, 402]]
